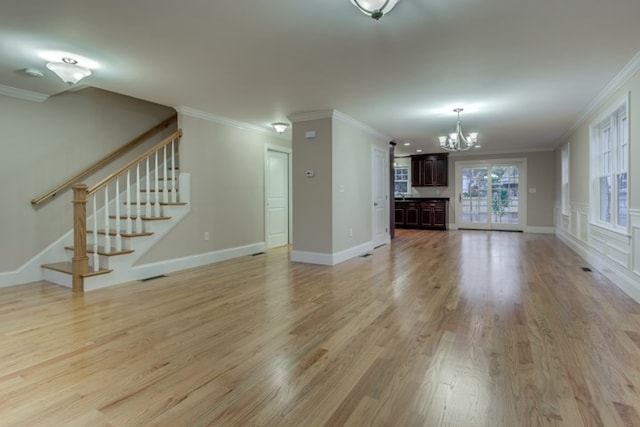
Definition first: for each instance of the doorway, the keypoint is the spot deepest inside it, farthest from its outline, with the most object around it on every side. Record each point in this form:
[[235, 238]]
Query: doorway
[[491, 194], [277, 197], [380, 190]]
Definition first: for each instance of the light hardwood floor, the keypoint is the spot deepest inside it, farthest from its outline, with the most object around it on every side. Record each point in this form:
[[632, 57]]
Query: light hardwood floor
[[459, 328]]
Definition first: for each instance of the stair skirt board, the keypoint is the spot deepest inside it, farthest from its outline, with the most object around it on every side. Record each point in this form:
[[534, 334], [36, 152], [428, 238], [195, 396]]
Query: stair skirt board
[[139, 272]]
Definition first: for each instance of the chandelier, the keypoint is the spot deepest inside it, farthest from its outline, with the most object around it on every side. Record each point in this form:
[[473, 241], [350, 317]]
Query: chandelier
[[69, 71], [375, 8], [457, 141]]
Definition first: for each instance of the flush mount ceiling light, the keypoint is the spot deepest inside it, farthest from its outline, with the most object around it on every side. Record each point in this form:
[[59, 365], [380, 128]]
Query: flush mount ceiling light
[[280, 127], [375, 8], [69, 70], [457, 141]]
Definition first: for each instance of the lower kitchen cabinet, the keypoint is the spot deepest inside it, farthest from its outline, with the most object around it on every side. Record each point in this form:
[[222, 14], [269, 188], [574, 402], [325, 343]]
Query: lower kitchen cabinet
[[421, 214]]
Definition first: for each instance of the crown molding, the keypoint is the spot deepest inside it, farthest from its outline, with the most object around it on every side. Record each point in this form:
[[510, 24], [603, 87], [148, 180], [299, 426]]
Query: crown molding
[[335, 114], [627, 72], [199, 114], [24, 94]]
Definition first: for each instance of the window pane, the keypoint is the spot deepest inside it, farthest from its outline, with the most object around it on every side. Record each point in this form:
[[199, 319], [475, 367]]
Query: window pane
[[624, 145], [605, 144], [605, 199], [400, 187], [622, 200]]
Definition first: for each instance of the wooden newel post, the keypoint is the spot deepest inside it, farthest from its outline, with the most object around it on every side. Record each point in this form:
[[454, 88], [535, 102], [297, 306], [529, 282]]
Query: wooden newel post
[[80, 260]]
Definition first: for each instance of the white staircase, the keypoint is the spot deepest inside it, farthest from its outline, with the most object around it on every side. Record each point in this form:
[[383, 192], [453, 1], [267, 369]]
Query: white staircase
[[125, 215]]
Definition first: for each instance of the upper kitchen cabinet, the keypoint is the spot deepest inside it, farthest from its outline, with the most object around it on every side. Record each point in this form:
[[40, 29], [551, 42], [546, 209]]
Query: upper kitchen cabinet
[[430, 170]]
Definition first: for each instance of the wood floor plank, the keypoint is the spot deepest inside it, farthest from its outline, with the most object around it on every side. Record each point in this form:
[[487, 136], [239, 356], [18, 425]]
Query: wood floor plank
[[457, 328]]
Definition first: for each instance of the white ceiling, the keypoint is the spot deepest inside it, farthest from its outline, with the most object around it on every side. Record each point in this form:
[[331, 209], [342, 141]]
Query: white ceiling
[[523, 70]]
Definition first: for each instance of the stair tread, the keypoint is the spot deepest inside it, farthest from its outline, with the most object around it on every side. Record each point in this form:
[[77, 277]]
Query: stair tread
[[101, 251], [161, 203], [144, 218], [123, 234], [66, 267]]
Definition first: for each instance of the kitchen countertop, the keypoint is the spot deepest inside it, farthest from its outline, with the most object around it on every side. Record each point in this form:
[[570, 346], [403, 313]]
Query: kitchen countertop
[[421, 199]]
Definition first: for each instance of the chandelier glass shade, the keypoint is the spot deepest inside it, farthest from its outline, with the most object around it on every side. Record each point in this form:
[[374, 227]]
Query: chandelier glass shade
[[280, 127], [375, 8], [69, 71], [456, 141]]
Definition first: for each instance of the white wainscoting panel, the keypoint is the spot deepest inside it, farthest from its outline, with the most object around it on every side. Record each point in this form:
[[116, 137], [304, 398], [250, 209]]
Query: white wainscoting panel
[[634, 221]]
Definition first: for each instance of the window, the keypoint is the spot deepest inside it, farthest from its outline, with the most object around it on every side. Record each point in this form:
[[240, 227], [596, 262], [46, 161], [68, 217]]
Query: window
[[564, 154], [609, 168], [401, 179]]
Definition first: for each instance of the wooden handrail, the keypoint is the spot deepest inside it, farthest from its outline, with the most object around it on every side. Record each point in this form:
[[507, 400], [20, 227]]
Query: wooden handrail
[[123, 169], [109, 157]]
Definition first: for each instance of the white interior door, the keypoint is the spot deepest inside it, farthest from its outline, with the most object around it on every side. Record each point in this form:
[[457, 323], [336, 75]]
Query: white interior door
[[277, 199], [380, 180], [490, 194]]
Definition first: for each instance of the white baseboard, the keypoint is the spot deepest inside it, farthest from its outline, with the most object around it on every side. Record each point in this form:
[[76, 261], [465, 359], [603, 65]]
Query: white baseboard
[[331, 259], [540, 230], [177, 264]]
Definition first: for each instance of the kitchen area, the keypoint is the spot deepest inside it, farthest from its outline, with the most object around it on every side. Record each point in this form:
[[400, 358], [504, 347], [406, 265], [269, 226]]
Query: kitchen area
[[418, 182]]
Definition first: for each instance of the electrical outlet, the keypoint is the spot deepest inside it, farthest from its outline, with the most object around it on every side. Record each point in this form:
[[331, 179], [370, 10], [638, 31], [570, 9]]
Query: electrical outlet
[[206, 235], [350, 232]]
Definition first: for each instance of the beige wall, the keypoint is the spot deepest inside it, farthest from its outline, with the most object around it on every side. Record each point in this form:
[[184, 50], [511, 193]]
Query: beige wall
[[226, 165], [312, 201], [352, 208], [541, 175], [326, 220], [44, 144]]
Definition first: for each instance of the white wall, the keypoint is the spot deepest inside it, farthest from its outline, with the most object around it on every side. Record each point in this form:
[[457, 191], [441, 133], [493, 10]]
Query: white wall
[[43, 144]]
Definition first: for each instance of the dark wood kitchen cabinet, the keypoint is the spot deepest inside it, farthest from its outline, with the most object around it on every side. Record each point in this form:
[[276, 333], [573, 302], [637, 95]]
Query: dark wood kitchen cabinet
[[422, 214], [430, 170], [433, 214]]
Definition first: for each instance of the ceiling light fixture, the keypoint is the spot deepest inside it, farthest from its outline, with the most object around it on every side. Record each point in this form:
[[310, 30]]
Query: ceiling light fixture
[[375, 8], [280, 127], [457, 141], [69, 70], [32, 72]]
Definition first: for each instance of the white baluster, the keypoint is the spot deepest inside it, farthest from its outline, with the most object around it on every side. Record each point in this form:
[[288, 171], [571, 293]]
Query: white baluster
[[156, 187], [96, 257], [107, 237], [148, 187], [118, 236], [138, 206], [129, 224], [174, 184], [165, 177]]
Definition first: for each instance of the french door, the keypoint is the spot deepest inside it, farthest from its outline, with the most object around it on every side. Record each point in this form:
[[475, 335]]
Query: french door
[[491, 194]]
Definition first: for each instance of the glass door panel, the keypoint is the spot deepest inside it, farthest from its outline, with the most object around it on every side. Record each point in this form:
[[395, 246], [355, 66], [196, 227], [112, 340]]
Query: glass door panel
[[489, 195], [473, 197], [505, 195]]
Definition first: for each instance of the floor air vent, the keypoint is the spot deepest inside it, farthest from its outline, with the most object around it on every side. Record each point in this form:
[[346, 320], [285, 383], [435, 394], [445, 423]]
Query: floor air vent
[[586, 269], [152, 278]]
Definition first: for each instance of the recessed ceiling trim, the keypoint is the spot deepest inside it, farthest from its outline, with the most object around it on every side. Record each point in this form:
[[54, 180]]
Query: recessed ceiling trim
[[26, 95], [199, 114], [338, 115], [627, 72]]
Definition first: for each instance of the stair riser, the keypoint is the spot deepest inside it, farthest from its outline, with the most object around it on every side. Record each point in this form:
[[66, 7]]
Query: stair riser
[[144, 226]]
